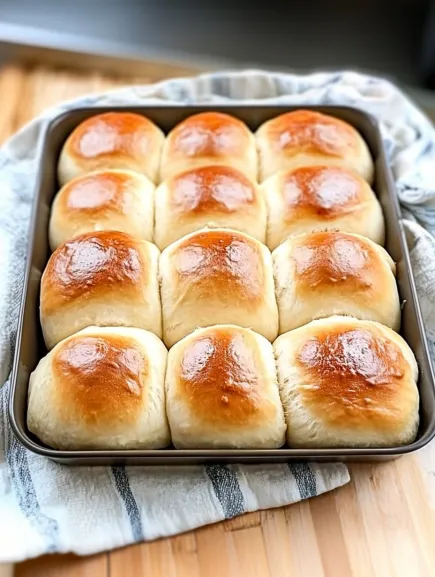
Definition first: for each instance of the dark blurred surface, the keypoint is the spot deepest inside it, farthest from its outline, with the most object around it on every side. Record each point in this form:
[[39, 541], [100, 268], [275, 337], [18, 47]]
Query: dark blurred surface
[[374, 35]]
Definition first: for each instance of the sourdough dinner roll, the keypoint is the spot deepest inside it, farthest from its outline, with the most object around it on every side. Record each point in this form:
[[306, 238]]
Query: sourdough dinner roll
[[306, 138], [112, 140], [209, 138], [103, 200], [326, 273], [102, 388], [347, 383], [208, 196], [222, 391], [101, 278], [215, 277], [312, 198]]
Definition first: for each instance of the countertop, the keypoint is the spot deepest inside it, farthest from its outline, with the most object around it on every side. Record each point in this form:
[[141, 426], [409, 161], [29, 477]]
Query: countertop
[[382, 524]]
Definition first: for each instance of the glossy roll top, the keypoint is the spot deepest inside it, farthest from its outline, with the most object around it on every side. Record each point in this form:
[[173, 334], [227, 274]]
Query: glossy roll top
[[214, 277], [101, 278], [326, 273], [209, 138], [347, 383], [107, 199], [222, 391], [312, 198], [112, 140], [209, 196], [102, 388], [307, 138]]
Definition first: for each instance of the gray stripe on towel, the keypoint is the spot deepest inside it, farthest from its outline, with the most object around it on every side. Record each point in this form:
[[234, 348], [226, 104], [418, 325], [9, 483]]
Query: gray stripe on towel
[[124, 489], [22, 483], [305, 479], [227, 489]]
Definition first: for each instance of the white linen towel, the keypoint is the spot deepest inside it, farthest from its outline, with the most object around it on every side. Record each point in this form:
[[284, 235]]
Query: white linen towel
[[46, 507]]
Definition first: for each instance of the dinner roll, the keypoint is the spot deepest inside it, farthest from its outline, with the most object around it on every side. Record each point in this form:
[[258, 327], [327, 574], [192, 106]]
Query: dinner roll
[[102, 388], [347, 383], [209, 138], [112, 140], [214, 277], [326, 273], [305, 137], [222, 391], [208, 196], [103, 200], [100, 278], [312, 198]]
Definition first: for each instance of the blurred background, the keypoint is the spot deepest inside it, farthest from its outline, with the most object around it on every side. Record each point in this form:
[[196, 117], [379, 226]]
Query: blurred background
[[68, 48]]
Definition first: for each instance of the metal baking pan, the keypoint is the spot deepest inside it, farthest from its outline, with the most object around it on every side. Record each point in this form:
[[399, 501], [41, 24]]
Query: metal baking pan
[[30, 345]]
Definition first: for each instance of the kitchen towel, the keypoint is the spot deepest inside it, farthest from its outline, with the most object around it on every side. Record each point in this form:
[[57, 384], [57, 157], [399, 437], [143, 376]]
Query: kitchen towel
[[46, 507]]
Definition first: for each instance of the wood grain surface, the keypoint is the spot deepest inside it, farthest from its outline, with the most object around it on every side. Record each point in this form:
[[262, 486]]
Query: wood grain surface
[[382, 524]]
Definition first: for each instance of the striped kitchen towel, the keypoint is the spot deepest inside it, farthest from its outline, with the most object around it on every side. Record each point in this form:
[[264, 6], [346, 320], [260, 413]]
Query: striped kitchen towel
[[45, 507]]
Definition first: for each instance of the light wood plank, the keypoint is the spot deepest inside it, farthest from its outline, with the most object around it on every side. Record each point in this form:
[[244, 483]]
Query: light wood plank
[[6, 570], [301, 537], [330, 538], [352, 529], [65, 566], [280, 552], [185, 553], [154, 558], [241, 545], [12, 79], [214, 551]]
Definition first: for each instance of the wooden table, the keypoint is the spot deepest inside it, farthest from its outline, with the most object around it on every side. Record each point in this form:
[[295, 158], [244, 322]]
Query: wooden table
[[382, 524]]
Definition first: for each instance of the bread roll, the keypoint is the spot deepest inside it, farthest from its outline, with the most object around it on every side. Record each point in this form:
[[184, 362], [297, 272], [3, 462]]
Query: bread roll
[[103, 200], [326, 273], [103, 279], [314, 198], [306, 138], [208, 196], [102, 388], [347, 383], [222, 391], [112, 140], [209, 138], [215, 277]]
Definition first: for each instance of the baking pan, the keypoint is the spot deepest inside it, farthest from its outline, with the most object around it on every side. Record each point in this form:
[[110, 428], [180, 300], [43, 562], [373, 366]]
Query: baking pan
[[30, 344]]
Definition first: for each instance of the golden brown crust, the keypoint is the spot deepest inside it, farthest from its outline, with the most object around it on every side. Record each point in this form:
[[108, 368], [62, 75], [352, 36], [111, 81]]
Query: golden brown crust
[[96, 194], [209, 134], [222, 262], [311, 132], [219, 379], [210, 189], [102, 379], [331, 259], [358, 376], [112, 134], [90, 264], [322, 191]]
